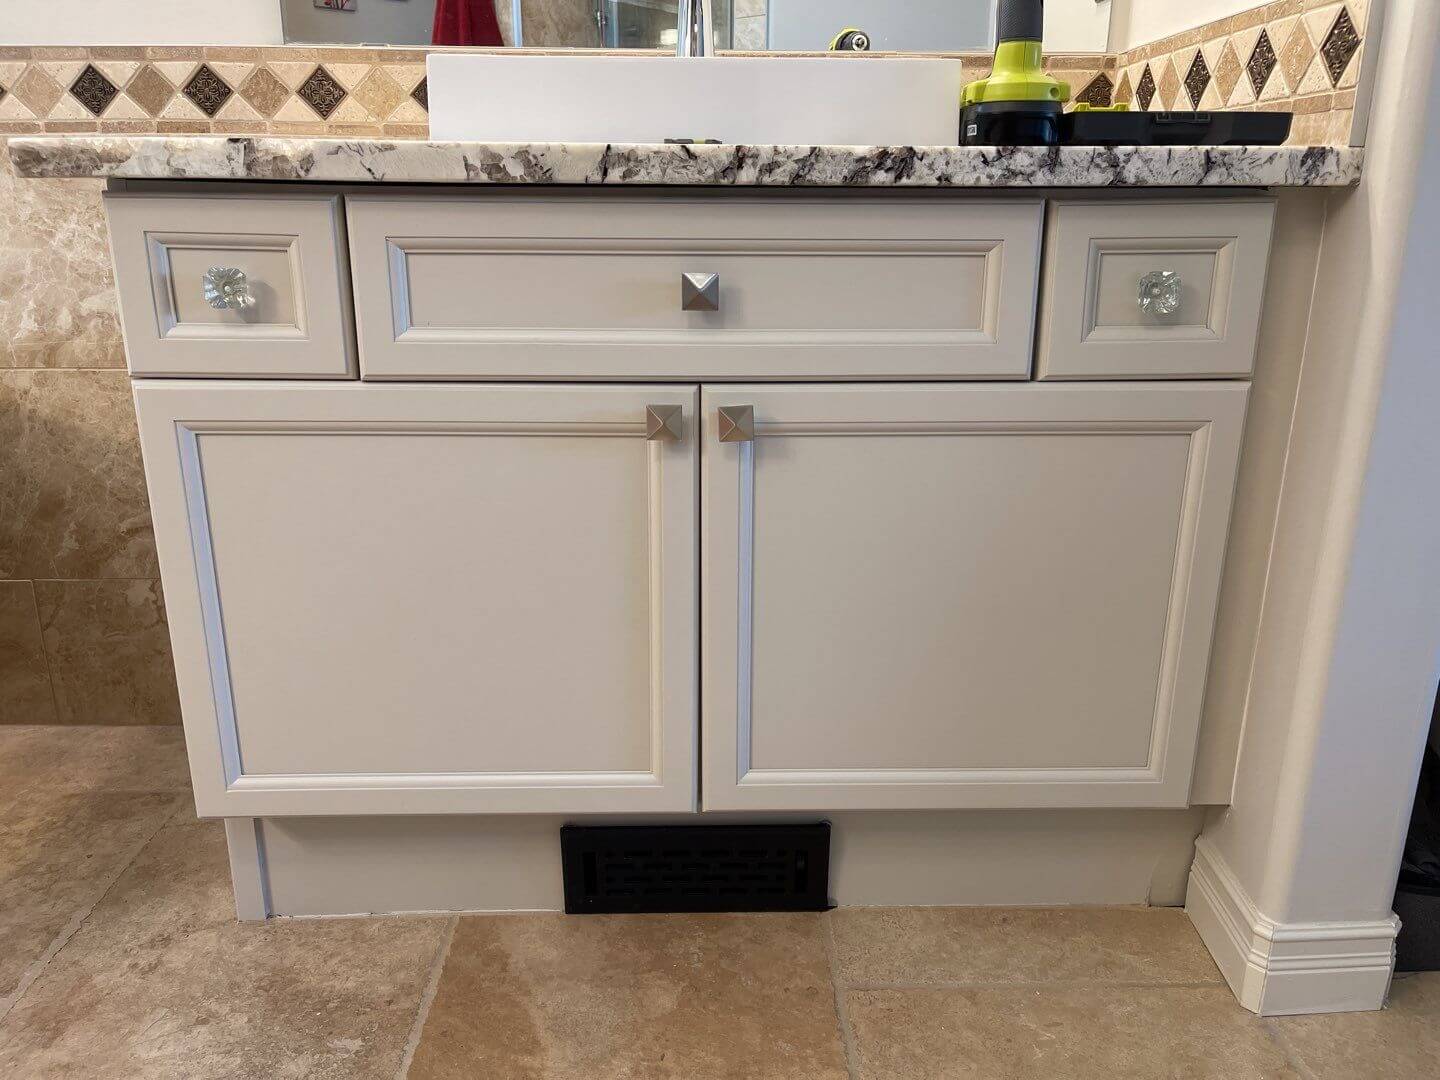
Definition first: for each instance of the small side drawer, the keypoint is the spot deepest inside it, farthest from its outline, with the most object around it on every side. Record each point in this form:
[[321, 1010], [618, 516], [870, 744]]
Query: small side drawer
[[292, 314], [1201, 265], [552, 287]]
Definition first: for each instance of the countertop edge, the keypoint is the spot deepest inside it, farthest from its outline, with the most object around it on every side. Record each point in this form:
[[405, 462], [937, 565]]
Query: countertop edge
[[363, 161]]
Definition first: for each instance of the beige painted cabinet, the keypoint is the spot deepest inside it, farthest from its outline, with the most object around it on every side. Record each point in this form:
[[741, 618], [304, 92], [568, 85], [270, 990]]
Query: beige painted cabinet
[[956, 596], [429, 599], [484, 599], [397, 595]]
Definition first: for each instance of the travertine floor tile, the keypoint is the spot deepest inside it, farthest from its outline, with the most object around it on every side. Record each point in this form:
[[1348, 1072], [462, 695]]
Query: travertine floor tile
[[58, 854], [990, 946], [25, 696], [108, 647], [1148, 1033], [686, 996], [76, 759], [161, 982], [1401, 1041]]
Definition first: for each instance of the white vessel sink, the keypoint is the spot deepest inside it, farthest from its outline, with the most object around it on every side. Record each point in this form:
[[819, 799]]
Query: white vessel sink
[[850, 101]]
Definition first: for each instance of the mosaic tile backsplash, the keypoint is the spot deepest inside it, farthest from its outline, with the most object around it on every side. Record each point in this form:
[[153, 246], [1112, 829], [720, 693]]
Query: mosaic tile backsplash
[[83, 638], [1300, 54]]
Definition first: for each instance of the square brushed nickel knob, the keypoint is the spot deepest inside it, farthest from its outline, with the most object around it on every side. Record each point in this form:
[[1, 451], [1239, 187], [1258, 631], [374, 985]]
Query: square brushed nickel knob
[[700, 292]]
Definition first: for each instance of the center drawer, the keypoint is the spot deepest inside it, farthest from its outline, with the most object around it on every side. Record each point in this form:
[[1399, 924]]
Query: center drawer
[[562, 288]]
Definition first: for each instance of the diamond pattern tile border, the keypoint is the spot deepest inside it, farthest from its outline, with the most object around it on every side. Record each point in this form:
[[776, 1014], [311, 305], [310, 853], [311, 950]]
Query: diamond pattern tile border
[[1239, 55], [321, 92], [1145, 88], [94, 90], [150, 90], [1098, 91], [1262, 62], [1340, 45], [207, 90], [264, 92], [1197, 79]]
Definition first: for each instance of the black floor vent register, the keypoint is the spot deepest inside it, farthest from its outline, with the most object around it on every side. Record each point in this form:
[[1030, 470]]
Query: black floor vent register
[[659, 868]]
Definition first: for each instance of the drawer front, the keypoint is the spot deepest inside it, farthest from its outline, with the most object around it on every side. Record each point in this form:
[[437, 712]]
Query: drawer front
[[291, 315], [525, 288], [1154, 290]]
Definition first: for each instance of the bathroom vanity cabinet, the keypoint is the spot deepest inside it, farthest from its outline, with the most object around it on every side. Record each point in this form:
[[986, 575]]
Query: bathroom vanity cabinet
[[478, 506]]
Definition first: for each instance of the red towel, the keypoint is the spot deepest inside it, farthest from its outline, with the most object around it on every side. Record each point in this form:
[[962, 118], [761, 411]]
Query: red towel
[[466, 22]]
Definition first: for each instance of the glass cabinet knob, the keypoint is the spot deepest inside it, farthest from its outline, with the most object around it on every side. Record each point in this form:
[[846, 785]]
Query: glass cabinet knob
[[226, 287], [1160, 293]]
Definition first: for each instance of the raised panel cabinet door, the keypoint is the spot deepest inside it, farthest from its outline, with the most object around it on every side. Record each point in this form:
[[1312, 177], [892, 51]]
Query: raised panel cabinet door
[[390, 600], [948, 596]]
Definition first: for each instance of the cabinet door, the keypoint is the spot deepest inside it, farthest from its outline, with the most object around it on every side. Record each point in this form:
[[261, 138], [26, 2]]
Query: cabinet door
[[949, 596], [428, 600]]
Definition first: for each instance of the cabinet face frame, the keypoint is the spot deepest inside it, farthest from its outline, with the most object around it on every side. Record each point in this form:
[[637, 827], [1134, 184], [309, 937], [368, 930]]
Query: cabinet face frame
[[662, 236], [305, 234], [1211, 415], [175, 417]]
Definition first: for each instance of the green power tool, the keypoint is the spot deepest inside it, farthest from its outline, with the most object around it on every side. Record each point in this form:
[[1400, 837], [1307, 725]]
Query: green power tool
[[1018, 105]]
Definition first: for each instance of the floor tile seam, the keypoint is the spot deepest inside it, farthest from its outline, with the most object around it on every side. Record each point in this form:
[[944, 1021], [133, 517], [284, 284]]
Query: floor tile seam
[[842, 1013], [45, 655], [427, 998], [36, 969], [1063, 984], [52, 580], [1292, 1053], [179, 810]]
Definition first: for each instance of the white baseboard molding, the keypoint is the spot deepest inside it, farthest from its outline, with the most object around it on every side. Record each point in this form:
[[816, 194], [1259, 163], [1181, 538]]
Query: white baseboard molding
[[1280, 969]]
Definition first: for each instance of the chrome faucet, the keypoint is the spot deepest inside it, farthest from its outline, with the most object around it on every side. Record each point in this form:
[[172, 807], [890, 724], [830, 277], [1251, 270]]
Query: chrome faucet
[[694, 28]]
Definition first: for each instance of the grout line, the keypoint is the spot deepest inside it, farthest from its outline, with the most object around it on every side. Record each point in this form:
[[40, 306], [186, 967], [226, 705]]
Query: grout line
[[85, 581], [842, 1013], [185, 804], [422, 1012], [62, 939], [1292, 1055], [49, 667], [1046, 987]]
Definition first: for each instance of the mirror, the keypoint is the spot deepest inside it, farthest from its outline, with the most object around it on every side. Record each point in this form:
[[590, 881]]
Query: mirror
[[573, 24], [753, 25], [916, 25]]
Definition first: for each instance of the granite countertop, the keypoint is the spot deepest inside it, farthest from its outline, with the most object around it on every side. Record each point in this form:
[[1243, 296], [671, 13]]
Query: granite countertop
[[728, 165]]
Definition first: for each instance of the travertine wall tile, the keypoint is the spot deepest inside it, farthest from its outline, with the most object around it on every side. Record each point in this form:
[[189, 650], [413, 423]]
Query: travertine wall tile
[[340, 90], [560, 22], [73, 487], [57, 296], [108, 645], [1288, 56]]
